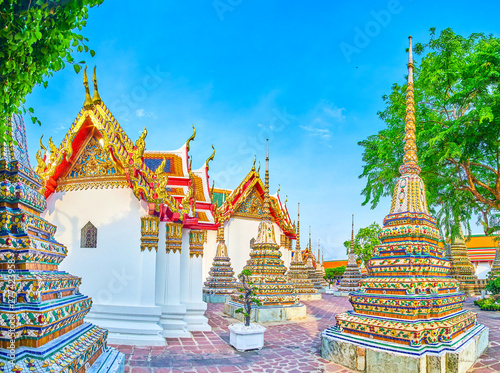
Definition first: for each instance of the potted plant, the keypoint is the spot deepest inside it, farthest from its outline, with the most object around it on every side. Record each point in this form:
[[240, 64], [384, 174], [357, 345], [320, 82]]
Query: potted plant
[[247, 336]]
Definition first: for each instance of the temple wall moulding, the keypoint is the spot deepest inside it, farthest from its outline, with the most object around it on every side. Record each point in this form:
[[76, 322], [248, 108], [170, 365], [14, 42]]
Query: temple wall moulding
[[196, 241], [150, 226], [173, 239]]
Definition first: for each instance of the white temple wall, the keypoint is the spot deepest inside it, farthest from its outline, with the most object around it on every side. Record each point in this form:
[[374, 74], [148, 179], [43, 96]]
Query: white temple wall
[[482, 269], [209, 251], [116, 272]]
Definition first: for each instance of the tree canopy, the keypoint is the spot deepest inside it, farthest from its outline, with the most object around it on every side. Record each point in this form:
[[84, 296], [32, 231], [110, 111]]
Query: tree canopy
[[37, 38], [365, 241], [457, 110]]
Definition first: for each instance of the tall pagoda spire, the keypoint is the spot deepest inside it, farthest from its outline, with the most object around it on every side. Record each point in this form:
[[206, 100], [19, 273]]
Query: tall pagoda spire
[[352, 275], [297, 255], [408, 299], [410, 159], [352, 259], [267, 202]]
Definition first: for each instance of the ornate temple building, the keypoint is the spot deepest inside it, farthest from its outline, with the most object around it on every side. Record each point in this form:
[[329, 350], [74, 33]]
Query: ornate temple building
[[242, 209], [311, 264], [42, 309], [408, 314], [272, 288], [221, 282], [352, 275], [461, 267], [495, 268], [136, 223], [297, 272]]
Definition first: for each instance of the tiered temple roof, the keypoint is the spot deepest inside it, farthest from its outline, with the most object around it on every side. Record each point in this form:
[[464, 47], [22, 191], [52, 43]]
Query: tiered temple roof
[[265, 263], [41, 307], [297, 273], [247, 201], [461, 267], [221, 279], [408, 298], [97, 153], [352, 275]]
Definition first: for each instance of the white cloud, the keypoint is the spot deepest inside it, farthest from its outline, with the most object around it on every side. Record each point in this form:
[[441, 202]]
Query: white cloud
[[324, 133], [143, 113]]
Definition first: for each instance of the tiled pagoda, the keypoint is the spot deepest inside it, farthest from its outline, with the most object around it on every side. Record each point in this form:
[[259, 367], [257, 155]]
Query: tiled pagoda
[[41, 308], [495, 267], [320, 269], [310, 262], [297, 273], [408, 307], [275, 292], [220, 282], [461, 267], [352, 275]]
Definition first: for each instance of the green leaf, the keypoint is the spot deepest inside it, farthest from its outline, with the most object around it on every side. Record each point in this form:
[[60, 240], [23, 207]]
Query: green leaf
[[77, 68]]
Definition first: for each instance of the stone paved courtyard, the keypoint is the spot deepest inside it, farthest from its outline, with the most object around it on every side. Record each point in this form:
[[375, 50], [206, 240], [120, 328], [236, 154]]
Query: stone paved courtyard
[[289, 348]]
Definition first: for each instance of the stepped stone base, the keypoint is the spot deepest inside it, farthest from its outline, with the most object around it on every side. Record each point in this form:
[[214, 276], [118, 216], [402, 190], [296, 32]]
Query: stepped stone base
[[215, 298], [267, 314], [371, 356], [110, 361], [338, 293], [311, 296]]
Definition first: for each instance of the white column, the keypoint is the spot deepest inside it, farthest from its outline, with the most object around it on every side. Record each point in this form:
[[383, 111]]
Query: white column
[[192, 289], [168, 294]]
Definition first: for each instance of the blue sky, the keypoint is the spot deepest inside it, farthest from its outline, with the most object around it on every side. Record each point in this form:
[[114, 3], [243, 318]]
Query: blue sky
[[299, 73]]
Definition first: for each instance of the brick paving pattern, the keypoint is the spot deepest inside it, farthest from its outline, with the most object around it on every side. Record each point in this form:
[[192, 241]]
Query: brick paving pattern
[[293, 347]]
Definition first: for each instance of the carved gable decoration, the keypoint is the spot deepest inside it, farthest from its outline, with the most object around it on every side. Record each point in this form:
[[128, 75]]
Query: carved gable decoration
[[93, 168], [251, 207]]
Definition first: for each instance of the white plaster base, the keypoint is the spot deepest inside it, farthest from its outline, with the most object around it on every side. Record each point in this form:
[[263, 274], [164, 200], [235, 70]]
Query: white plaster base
[[314, 296], [110, 361], [371, 356], [245, 338], [341, 293], [172, 321], [215, 298], [129, 325], [267, 314], [195, 317], [329, 291]]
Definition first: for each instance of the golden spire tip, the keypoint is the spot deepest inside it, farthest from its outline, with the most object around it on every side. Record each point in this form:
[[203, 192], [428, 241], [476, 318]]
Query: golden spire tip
[[88, 101], [96, 99]]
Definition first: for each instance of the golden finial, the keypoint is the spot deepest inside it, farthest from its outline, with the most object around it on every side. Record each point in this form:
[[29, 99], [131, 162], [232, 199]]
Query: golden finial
[[191, 138], [258, 170], [410, 160], [279, 188], [96, 99], [190, 164], [254, 160], [267, 202], [211, 157], [88, 101], [43, 147], [286, 200]]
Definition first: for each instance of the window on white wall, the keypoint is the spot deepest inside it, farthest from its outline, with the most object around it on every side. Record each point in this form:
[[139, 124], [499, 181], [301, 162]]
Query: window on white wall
[[89, 236]]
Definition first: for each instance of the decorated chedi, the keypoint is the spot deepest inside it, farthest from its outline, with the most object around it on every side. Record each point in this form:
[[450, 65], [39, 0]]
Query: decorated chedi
[[310, 262], [221, 282], [495, 267], [461, 267], [42, 310], [320, 269], [408, 315], [352, 275], [272, 288], [297, 273]]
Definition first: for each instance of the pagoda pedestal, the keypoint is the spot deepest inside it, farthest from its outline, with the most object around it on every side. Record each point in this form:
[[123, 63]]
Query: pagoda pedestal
[[367, 355], [268, 314]]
